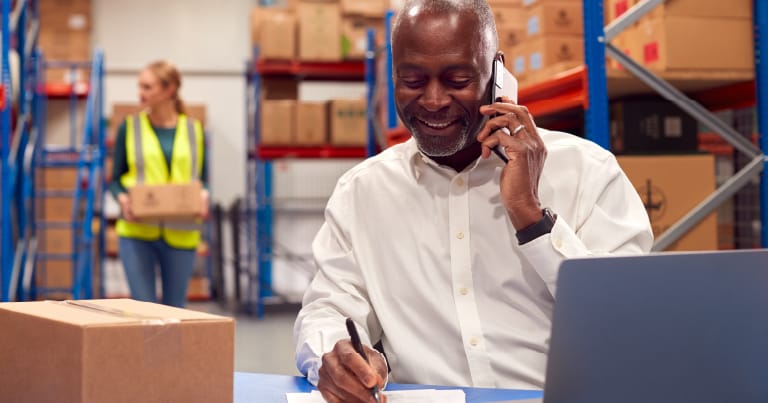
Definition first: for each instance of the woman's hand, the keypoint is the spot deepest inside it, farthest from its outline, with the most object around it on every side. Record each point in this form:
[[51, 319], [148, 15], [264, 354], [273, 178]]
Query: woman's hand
[[125, 206], [205, 198]]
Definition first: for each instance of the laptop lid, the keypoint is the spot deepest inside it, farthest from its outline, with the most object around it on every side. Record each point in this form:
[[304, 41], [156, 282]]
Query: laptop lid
[[668, 327]]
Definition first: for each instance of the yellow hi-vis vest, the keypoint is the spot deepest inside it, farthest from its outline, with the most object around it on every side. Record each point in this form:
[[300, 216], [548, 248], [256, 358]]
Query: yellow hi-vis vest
[[147, 165]]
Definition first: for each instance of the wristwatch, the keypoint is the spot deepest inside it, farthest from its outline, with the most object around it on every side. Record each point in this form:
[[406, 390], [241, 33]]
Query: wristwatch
[[537, 229]]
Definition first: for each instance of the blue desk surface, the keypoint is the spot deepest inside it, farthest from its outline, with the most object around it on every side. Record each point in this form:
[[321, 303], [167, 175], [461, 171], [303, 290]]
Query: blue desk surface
[[268, 388]]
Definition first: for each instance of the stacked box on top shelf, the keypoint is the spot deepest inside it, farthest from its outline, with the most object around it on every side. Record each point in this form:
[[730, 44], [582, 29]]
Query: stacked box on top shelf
[[273, 30], [554, 39], [661, 40], [357, 17], [65, 35], [510, 27], [319, 31]]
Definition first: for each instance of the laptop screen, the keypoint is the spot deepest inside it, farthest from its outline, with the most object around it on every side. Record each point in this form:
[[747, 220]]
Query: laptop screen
[[666, 327]]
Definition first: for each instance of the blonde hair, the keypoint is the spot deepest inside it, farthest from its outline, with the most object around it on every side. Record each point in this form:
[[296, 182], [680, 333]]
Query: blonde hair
[[169, 75]]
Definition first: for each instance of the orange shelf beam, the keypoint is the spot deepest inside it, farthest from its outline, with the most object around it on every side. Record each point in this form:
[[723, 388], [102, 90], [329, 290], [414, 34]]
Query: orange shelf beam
[[64, 90], [326, 151], [564, 91], [351, 70]]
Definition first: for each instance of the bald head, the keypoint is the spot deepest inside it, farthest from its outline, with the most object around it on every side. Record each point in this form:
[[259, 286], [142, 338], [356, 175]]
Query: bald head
[[477, 11]]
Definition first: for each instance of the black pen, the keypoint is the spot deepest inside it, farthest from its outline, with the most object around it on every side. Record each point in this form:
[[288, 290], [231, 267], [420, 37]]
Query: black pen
[[358, 346]]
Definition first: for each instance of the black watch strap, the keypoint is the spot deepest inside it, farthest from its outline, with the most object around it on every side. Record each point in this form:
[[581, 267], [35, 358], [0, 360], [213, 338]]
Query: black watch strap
[[537, 229]]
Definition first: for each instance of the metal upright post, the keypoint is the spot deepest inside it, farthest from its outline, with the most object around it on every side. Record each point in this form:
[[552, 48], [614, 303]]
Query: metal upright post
[[6, 246], [391, 111], [596, 113], [761, 80], [370, 81]]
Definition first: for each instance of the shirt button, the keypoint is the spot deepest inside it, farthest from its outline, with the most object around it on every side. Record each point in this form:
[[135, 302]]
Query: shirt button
[[460, 235], [474, 342], [558, 243], [463, 291], [460, 182]]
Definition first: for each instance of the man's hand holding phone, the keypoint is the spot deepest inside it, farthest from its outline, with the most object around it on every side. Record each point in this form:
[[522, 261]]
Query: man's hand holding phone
[[526, 153]]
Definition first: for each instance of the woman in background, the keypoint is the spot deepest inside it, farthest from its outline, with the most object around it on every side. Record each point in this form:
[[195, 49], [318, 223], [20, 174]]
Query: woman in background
[[158, 145]]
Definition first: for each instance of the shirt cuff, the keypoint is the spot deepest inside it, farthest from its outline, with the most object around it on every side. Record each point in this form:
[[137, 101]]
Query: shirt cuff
[[546, 252]]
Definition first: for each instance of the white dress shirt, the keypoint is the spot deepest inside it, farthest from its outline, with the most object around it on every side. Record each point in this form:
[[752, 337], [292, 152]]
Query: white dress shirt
[[426, 260]]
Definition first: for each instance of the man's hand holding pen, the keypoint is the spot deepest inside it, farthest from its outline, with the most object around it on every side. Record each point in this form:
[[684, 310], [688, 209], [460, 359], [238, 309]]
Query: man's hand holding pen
[[346, 377]]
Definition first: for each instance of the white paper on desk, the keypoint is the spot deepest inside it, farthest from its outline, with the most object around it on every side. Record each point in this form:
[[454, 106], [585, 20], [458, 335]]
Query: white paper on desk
[[398, 396]]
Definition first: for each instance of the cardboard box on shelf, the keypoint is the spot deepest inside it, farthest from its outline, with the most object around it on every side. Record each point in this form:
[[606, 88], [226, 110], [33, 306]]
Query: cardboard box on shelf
[[354, 35], [311, 123], [348, 122], [555, 19], [112, 246], [516, 60], [533, 3], [55, 240], [53, 274], [509, 16], [56, 178], [319, 31], [505, 3], [616, 8], [651, 125], [278, 119], [116, 350], [508, 40], [703, 8], [172, 201], [665, 44], [260, 15], [278, 37], [55, 208], [670, 186], [553, 50], [366, 8]]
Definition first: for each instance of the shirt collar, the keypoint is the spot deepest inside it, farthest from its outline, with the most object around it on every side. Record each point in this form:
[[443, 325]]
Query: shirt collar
[[419, 162]]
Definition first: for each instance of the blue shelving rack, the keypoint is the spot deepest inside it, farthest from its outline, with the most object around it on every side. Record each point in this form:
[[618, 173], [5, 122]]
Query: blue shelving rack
[[258, 212], [20, 26], [597, 45], [87, 159]]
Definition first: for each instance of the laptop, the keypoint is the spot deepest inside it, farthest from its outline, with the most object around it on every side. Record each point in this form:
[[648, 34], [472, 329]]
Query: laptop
[[667, 327]]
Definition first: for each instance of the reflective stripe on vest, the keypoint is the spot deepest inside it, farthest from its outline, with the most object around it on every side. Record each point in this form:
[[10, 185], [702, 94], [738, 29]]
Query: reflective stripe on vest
[[184, 235]]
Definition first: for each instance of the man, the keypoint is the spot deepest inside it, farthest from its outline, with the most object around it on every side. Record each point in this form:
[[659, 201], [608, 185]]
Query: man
[[439, 249]]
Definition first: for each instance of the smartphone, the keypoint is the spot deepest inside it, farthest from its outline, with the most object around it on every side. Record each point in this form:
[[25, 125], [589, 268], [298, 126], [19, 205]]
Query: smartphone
[[498, 76]]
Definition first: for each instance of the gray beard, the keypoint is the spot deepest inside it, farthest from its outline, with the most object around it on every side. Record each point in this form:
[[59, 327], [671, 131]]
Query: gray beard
[[435, 146]]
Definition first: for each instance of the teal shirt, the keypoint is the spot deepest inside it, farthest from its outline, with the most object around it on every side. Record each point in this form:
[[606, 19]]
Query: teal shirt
[[165, 136]]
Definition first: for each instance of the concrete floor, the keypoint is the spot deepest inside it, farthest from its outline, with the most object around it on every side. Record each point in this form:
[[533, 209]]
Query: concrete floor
[[261, 345]]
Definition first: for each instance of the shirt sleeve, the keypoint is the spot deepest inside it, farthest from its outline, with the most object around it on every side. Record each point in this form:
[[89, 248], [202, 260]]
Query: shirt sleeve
[[337, 291], [616, 224], [119, 162]]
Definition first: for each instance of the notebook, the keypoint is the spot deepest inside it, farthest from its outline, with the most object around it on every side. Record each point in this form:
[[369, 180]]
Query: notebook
[[666, 327]]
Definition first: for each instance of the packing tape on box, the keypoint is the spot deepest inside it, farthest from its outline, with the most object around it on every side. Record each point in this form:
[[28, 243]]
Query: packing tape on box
[[162, 336]]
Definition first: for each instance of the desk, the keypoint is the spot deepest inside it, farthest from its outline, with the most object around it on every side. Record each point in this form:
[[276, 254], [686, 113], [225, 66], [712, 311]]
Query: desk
[[268, 388]]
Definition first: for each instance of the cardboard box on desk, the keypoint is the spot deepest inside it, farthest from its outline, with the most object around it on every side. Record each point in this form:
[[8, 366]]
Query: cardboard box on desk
[[173, 201], [670, 186], [117, 350]]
